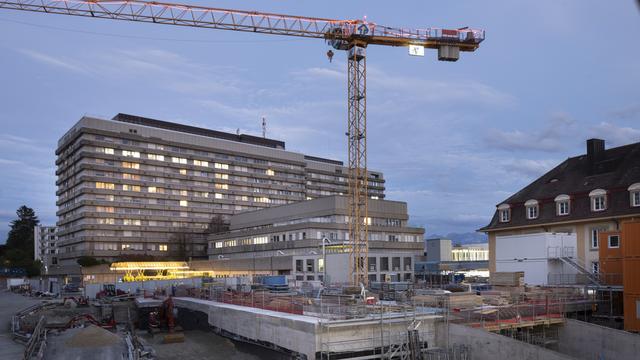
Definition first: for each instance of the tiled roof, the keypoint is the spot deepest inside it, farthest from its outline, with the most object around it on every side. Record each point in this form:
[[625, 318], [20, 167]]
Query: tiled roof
[[613, 170]]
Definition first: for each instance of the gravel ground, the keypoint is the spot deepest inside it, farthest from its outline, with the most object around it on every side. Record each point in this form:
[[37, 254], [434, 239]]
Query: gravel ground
[[207, 345], [11, 303]]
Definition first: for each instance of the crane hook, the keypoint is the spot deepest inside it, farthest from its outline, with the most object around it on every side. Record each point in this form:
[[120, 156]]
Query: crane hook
[[330, 55]]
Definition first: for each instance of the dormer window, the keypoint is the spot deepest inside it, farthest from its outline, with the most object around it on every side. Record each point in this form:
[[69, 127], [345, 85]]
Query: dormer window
[[504, 213], [563, 205], [598, 200], [634, 192], [532, 208]]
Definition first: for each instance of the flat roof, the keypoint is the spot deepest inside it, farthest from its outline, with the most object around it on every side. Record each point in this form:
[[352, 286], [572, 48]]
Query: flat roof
[[243, 138]]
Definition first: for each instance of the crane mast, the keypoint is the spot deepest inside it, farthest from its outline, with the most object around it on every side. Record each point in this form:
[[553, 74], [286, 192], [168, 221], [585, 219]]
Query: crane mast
[[352, 36]]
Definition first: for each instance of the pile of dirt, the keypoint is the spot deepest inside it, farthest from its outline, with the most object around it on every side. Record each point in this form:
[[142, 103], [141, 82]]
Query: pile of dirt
[[92, 336]]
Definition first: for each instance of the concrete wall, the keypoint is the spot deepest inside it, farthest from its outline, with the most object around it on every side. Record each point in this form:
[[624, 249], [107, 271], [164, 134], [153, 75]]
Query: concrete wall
[[589, 341], [489, 346]]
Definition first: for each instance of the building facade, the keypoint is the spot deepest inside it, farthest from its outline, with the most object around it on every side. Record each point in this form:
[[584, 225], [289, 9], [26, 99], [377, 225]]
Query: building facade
[[133, 186], [584, 195], [287, 240], [45, 241]]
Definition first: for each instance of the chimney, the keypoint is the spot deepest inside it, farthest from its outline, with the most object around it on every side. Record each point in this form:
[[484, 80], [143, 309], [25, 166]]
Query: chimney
[[595, 153]]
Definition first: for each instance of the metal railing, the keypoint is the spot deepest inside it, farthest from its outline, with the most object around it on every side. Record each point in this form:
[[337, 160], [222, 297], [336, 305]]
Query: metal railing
[[37, 341]]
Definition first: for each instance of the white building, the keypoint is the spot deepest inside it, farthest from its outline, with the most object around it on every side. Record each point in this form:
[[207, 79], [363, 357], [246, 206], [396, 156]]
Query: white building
[[45, 242], [546, 258]]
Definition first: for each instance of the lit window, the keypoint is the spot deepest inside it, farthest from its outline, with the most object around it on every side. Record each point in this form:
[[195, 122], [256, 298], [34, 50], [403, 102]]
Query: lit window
[[221, 166], [163, 247], [155, 157], [504, 212], [222, 186], [103, 185], [222, 176], [178, 160], [375, 198], [218, 244], [201, 163], [184, 203], [614, 241], [218, 196], [127, 187], [271, 172], [130, 165], [183, 171], [128, 153], [563, 205], [152, 189], [130, 176], [107, 209]]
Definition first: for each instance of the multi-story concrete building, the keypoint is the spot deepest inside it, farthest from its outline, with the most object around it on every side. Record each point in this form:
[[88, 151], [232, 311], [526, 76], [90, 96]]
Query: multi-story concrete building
[[45, 242], [287, 240], [136, 186]]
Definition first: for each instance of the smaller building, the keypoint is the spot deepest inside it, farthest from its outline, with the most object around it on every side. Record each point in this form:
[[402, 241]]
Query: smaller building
[[443, 260], [288, 240], [470, 252], [45, 242]]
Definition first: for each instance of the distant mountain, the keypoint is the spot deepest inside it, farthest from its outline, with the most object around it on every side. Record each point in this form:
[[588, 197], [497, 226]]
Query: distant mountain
[[462, 238]]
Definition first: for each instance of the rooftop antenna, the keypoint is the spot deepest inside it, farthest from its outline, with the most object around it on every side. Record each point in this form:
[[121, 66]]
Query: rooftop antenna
[[264, 127]]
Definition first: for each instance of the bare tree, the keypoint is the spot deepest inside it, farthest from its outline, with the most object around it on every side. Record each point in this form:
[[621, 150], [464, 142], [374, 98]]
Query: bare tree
[[217, 225]]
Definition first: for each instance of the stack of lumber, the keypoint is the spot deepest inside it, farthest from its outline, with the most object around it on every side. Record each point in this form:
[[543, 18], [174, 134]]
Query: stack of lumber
[[496, 298], [515, 278], [463, 300]]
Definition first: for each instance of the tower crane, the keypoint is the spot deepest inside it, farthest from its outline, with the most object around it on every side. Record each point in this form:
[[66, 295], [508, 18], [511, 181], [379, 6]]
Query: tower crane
[[351, 36]]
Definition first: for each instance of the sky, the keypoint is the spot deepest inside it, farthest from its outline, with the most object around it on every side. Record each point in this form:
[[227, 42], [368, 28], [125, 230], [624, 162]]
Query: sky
[[452, 139]]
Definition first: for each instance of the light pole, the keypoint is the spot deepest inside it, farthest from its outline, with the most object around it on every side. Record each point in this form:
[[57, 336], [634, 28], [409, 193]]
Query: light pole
[[324, 260]]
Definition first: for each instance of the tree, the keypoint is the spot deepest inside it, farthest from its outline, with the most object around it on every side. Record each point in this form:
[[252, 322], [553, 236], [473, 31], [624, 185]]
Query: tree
[[86, 261], [217, 225], [18, 251]]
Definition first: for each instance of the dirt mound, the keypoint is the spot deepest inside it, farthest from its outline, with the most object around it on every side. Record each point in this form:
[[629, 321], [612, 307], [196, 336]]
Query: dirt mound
[[93, 336]]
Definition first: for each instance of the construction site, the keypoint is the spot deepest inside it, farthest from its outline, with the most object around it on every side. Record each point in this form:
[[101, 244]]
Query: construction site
[[153, 318], [184, 309]]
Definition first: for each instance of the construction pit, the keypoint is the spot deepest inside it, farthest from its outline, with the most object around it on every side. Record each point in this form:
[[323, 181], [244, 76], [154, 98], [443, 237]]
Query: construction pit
[[240, 322]]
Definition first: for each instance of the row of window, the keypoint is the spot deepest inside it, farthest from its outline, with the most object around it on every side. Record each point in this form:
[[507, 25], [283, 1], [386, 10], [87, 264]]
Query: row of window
[[129, 246], [598, 202], [184, 161], [176, 149]]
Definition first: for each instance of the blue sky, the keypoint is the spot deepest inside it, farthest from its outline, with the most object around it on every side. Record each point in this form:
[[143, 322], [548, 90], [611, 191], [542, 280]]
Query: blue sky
[[453, 139]]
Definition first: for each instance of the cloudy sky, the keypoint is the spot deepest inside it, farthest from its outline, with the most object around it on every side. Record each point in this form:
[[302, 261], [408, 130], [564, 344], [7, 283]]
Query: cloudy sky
[[453, 139]]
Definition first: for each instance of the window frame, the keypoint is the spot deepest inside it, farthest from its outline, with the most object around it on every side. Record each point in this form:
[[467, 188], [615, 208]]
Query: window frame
[[536, 209], [598, 203], [635, 198], [559, 207], [609, 241]]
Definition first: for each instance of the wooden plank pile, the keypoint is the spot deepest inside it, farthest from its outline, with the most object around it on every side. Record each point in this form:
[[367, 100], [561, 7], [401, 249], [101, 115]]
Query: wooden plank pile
[[515, 278], [460, 300]]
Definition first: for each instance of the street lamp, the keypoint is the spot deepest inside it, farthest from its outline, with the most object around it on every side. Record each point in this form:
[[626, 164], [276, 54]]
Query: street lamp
[[324, 260]]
